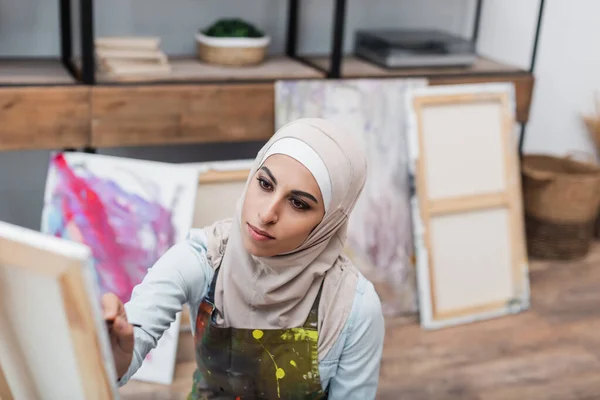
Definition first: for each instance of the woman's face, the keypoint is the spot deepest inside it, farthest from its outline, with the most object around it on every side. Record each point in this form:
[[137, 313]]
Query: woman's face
[[283, 205]]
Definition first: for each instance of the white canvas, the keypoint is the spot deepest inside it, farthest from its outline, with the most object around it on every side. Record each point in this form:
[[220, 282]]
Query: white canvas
[[217, 200], [130, 212], [380, 233], [467, 222], [53, 340]]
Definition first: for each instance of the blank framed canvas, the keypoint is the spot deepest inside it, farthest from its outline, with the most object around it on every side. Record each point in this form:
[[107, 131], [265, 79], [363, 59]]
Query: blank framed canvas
[[468, 227], [220, 186], [53, 340]]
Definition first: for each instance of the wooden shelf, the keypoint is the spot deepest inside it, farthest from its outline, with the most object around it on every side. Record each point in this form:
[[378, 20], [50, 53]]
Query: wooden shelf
[[44, 118], [484, 70], [198, 110], [145, 115], [353, 67], [15, 72], [190, 69]]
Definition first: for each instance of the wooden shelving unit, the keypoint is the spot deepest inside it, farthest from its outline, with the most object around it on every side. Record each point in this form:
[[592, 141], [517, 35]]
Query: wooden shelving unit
[[484, 70], [23, 72], [44, 117], [353, 67], [76, 107], [42, 106], [144, 115], [191, 70]]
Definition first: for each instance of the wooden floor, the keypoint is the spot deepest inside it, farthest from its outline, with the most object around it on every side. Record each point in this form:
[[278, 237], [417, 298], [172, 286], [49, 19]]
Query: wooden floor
[[551, 352]]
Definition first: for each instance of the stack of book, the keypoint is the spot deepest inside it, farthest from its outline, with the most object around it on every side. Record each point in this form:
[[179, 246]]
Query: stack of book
[[123, 57]]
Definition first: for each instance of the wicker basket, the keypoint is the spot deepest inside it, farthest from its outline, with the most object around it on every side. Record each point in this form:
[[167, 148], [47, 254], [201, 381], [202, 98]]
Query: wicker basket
[[561, 198], [231, 51]]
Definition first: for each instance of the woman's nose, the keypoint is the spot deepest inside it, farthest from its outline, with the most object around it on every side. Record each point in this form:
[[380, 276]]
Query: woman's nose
[[269, 215]]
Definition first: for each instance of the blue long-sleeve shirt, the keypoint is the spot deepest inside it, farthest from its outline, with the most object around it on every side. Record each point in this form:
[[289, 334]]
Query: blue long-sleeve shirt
[[350, 370]]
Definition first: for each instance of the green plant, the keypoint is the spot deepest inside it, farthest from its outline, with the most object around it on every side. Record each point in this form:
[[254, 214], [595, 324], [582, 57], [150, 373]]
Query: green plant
[[232, 27]]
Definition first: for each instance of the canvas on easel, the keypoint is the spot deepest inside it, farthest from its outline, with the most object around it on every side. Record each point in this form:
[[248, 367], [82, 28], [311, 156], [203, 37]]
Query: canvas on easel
[[467, 215], [53, 340], [129, 212]]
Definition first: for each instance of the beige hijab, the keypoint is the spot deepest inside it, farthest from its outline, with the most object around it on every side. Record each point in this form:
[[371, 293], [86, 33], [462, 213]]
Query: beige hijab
[[278, 292]]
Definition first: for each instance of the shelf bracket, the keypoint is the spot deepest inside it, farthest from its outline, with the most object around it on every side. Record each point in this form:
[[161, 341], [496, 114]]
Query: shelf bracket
[[86, 20], [292, 28], [337, 45], [477, 23]]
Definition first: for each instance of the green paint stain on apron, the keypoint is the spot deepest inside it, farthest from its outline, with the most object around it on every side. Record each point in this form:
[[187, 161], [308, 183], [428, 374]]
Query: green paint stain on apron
[[256, 364]]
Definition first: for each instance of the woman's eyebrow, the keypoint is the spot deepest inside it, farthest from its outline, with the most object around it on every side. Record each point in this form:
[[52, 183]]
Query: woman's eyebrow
[[270, 174], [294, 192], [304, 194]]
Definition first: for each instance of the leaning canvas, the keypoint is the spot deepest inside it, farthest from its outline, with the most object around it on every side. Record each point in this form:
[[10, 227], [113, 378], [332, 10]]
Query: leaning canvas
[[380, 233], [53, 340], [220, 186], [468, 221], [130, 212]]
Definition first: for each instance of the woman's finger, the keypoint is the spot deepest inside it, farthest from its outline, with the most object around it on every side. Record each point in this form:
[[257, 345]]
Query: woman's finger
[[124, 331], [111, 306]]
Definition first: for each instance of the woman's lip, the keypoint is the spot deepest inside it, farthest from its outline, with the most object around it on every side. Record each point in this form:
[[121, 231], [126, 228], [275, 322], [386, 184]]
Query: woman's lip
[[258, 234]]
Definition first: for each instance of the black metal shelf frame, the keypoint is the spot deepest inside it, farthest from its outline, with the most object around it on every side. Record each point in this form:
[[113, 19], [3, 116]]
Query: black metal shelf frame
[[534, 53], [86, 31], [86, 27], [337, 39], [86, 74]]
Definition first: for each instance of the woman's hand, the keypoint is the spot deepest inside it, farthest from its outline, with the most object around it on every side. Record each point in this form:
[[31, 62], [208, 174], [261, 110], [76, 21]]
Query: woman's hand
[[120, 332]]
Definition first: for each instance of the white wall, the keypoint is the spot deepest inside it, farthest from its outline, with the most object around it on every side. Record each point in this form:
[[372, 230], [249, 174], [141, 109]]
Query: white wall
[[507, 30], [566, 72], [566, 69], [31, 27]]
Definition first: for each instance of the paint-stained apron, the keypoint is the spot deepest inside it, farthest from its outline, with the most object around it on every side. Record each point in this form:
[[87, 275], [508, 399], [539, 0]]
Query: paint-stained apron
[[252, 363]]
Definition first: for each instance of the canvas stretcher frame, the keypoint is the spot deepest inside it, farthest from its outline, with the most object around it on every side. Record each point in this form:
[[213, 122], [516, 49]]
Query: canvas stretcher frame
[[214, 182], [499, 204], [75, 334]]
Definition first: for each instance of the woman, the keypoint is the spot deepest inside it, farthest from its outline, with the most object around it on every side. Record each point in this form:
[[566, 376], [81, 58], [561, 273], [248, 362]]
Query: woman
[[277, 311]]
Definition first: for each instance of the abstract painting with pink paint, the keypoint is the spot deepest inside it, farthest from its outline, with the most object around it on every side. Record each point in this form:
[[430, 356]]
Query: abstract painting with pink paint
[[124, 211], [129, 212]]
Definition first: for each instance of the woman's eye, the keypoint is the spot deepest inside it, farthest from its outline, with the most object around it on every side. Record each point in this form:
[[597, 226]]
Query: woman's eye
[[299, 204], [264, 184]]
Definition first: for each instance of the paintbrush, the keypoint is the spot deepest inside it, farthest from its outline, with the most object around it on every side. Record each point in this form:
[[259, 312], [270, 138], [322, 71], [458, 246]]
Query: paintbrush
[[110, 323]]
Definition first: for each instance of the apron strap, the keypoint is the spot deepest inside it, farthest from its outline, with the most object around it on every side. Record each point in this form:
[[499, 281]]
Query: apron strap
[[210, 296]]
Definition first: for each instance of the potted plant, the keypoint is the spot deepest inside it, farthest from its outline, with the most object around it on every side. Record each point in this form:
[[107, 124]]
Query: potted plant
[[232, 42]]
